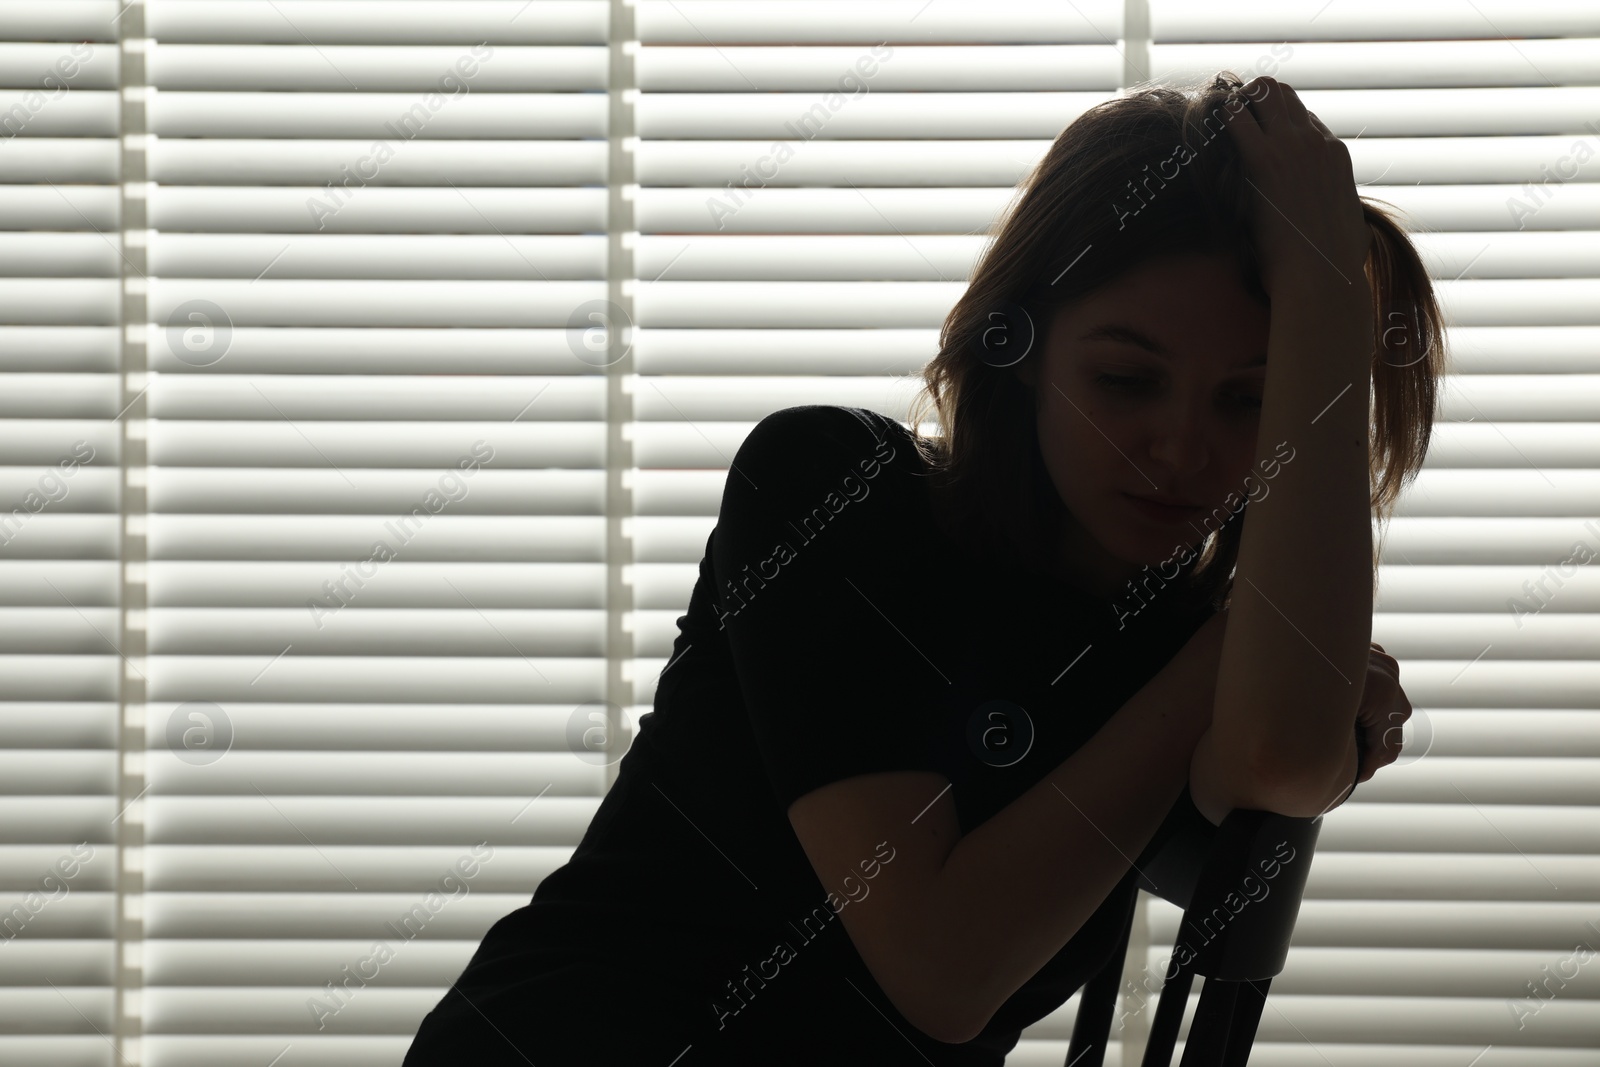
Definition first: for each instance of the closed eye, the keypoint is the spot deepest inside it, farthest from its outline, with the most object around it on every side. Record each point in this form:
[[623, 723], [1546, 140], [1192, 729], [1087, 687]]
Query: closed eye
[[1122, 382], [1125, 383]]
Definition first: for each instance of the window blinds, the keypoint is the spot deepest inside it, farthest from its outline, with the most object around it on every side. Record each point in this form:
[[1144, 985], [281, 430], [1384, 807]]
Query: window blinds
[[1455, 899], [436, 325], [377, 507], [59, 537]]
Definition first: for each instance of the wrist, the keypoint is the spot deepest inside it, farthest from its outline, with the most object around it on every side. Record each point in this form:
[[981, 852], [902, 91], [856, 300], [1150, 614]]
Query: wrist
[[1320, 284], [1315, 314]]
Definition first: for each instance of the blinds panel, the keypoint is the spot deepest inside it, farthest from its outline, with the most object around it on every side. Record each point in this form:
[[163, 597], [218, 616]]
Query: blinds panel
[[1450, 887], [751, 299], [59, 579], [1446, 120], [376, 319], [387, 210], [1436, 23]]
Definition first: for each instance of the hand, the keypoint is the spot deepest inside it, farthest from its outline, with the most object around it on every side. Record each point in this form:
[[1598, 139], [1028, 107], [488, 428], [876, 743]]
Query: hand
[[1307, 216], [1383, 712]]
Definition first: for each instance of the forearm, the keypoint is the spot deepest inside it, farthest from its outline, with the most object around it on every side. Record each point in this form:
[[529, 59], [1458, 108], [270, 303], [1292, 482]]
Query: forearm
[[1294, 656], [1017, 888]]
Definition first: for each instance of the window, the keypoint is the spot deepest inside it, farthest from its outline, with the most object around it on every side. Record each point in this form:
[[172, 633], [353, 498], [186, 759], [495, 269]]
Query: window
[[371, 373]]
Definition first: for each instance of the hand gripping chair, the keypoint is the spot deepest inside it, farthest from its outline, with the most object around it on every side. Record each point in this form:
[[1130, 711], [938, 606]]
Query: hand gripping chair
[[1238, 961]]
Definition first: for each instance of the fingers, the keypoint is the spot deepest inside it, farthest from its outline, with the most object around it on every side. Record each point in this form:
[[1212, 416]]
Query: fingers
[[1386, 739], [1274, 102], [1381, 745], [1295, 114], [1383, 713], [1293, 107], [1243, 124], [1392, 739], [1266, 106]]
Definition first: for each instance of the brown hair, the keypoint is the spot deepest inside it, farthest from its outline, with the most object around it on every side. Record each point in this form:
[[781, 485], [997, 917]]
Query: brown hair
[[1076, 223]]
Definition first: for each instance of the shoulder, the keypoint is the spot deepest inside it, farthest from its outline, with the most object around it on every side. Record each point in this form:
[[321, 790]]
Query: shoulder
[[826, 424], [811, 463], [824, 438]]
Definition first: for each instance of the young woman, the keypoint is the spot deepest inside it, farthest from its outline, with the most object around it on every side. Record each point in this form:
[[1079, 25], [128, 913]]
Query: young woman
[[935, 701]]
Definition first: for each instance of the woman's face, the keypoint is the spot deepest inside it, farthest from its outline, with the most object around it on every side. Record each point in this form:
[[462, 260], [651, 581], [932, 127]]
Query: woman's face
[[1191, 344]]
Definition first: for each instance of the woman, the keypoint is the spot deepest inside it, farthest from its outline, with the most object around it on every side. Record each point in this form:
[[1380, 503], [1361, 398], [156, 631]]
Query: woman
[[931, 695]]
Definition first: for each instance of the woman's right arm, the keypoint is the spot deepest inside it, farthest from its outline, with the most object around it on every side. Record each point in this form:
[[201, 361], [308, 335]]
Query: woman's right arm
[[961, 923]]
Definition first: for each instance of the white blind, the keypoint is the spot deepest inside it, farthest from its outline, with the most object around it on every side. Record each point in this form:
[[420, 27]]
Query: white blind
[[377, 499], [59, 541], [1433, 915], [1454, 898], [359, 243]]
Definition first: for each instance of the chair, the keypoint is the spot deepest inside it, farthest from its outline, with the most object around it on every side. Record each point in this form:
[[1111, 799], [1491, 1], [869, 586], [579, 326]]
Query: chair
[[1238, 947]]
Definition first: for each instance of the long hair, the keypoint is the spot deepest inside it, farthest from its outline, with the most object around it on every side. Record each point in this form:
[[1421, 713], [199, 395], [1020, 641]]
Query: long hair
[[1076, 222]]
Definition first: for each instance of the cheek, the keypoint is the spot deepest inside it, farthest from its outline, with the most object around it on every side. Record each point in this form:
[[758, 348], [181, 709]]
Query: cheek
[[1078, 443], [1091, 425]]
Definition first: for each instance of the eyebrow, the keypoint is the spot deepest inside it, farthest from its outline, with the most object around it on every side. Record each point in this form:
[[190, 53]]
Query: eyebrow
[[1128, 335]]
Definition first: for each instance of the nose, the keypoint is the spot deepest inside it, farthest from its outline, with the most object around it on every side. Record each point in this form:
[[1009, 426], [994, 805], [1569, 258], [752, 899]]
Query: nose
[[1178, 440]]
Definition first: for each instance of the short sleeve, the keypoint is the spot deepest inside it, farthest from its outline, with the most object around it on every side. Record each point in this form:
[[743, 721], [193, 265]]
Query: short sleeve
[[824, 592], [1172, 861]]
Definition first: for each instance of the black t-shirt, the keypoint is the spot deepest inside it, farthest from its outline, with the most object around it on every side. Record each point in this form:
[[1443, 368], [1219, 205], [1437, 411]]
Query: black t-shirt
[[834, 630]]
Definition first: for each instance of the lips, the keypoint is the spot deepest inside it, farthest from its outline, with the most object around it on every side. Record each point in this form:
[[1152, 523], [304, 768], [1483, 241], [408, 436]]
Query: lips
[[1160, 512]]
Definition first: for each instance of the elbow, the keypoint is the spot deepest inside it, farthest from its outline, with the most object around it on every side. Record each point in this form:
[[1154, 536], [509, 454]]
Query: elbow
[[952, 1027], [944, 995], [933, 979], [941, 1029], [1304, 786], [945, 1013]]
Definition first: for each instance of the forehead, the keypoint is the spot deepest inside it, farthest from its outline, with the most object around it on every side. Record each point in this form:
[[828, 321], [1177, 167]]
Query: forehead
[[1168, 306], [1175, 274]]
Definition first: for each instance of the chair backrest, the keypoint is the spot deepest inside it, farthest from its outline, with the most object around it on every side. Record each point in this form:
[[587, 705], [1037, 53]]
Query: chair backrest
[[1241, 894]]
